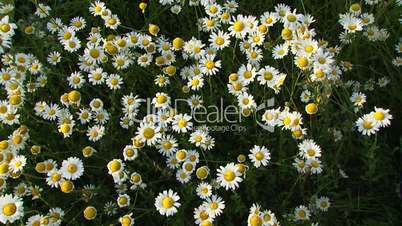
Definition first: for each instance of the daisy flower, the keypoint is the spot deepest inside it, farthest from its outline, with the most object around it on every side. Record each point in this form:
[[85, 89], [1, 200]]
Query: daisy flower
[[96, 8], [259, 156], [280, 51], [183, 176], [115, 166], [162, 80], [350, 23], [382, 116], [72, 44], [267, 76], [12, 208], [268, 19], [302, 213], [314, 165], [195, 82], [130, 153], [112, 22], [214, 205], [149, 133], [246, 101], [66, 129], [95, 132], [84, 115], [219, 40], [54, 178], [7, 28], [94, 53], [76, 80], [121, 61], [17, 163], [182, 123], [161, 100], [358, 99], [367, 125], [72, 168], [323, 203], [309, 149], [228, 176], [144, 60], [167, 203], [167, 145], [97, 76], [238, 27], [201, 215], [204, 190], [247, 73], [114, 81], [123, 200], [78, 23], [209, 66], [54, 58]]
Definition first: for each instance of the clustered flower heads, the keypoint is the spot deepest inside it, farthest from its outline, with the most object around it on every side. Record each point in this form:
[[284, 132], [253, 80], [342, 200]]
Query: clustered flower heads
[[101, 64]]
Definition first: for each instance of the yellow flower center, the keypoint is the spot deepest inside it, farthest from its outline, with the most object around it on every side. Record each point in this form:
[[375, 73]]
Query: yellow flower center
[[72, 168], [238, 26], [78, 23], [255, 220], [114, 81], [114, 166], [311, 152], [18, 163], [367, 124], [287, 121], [219, 41], [311, 108], [5, 28], [213, 9], [65, 128], [259, 156], [355, 7], [286, 33], [112, 21], [167, 202], [269, 20], [148, 133], [302, 213], [210, 23], [319, 73], [302, 62], [315, 164], [247, 74], [210, 64], [352, 27], [66, 186], [229, 175], [308, 48], [9, 209], [268, 76], [180, 155], [291, 18], [90, 212], [130, 152], [202, 173], [379, 116], [94, 53]]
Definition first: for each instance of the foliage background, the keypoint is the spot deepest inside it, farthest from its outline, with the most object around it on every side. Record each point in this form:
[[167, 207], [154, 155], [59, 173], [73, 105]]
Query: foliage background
[[370, 195]]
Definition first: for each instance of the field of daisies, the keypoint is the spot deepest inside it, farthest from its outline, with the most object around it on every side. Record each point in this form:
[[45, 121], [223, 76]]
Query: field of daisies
[[200, 112]]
